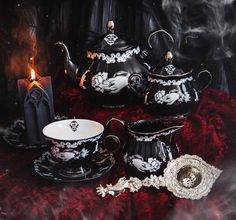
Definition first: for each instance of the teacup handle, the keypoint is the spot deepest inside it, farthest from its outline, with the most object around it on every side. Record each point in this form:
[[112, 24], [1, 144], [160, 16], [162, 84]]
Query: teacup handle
[[123, 122], [115, 119], [105, 149], [111, 140]]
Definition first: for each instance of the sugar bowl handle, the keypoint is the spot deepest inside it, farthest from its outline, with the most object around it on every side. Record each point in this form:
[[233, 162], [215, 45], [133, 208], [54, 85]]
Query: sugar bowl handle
[[204, 79]]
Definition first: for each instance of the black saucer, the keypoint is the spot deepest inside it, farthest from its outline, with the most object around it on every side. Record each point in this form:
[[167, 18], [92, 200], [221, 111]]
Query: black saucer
[[14, 135], [48, 168]]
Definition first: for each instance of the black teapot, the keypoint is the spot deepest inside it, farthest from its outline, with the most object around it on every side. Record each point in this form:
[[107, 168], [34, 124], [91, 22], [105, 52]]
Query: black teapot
[[150, 144], [112, 61], [170, 92]]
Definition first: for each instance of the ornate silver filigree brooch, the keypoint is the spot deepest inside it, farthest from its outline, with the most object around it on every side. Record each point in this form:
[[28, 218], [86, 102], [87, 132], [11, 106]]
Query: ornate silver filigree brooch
[[188, 176]]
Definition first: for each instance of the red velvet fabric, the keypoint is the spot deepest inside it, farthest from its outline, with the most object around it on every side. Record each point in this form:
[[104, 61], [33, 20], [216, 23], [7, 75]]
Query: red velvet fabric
[[208, 132]]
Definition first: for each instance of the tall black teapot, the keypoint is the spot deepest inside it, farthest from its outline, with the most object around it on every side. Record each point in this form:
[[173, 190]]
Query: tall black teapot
[[112, 61]]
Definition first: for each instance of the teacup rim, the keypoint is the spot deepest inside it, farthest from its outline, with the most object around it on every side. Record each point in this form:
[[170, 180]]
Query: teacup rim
[[72, 140]]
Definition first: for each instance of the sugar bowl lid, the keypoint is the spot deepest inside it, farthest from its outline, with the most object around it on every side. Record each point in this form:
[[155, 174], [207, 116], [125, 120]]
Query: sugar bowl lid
[[169, 69], [111, 42]]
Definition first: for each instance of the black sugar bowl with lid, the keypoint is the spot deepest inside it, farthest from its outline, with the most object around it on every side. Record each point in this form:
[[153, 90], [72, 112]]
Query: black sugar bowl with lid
[[170, 92]]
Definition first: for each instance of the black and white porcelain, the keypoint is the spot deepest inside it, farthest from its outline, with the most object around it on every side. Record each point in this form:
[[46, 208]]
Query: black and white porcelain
[[49, 168], [149, 146], [170, 91], [112, 60], [75, 142]]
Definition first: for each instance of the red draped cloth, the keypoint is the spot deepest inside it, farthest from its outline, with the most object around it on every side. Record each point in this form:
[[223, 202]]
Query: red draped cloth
[[209, 132]]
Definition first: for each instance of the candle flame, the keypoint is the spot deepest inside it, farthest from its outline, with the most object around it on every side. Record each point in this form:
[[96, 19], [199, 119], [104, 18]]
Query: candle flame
[[32, 75]]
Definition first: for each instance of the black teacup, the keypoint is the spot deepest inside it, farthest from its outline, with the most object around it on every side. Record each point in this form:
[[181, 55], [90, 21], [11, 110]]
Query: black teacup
[[74, 143]]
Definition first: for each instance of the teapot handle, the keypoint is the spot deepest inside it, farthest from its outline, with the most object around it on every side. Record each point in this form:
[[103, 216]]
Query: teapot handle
[[206, 83], [156, 32], [135, 82]]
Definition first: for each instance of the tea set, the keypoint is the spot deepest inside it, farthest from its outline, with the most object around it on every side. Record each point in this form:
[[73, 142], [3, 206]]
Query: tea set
[[118, 67], [81, 149]]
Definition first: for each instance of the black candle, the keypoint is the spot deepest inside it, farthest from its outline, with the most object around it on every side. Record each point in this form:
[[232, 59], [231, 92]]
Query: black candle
[[36, 99]]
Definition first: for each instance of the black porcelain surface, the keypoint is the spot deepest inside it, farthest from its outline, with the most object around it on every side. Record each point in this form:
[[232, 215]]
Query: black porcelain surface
[[73, 140], [170, 91], [149, 146], [106, 97], [48, 168], [171, 96], [112, 60]]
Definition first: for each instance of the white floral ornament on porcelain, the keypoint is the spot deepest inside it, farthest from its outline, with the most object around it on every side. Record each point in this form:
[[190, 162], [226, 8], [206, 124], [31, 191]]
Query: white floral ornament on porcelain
[[171, 97], [151, 165], [188, 176], [170, 82], [69, 154], [114, 57]]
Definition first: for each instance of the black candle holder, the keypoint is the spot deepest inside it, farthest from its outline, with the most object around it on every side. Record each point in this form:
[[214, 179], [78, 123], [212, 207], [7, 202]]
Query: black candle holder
[[36, 99], [15, 134]]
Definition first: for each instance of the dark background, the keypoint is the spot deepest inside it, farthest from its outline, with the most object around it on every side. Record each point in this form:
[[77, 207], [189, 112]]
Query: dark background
[[204, 33]]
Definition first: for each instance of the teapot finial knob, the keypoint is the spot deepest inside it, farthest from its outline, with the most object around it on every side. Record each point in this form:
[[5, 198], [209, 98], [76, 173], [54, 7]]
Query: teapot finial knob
[[169, 56], [110, 26]]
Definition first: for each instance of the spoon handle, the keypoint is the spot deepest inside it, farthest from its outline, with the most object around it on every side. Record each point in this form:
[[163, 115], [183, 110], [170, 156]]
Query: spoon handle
[[133, 184]]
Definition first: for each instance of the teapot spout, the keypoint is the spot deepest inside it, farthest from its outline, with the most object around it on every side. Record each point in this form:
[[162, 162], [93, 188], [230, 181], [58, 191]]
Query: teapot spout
[[70, 68]]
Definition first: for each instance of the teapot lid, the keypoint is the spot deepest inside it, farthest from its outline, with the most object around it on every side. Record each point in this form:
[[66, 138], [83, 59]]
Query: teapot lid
[[111, 42], [169, 69]]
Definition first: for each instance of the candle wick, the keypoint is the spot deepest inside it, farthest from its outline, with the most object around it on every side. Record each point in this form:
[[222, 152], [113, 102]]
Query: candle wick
[[32, 80]]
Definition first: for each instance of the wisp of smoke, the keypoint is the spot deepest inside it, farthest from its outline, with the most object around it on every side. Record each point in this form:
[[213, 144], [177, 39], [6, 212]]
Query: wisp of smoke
[[208, 23], [218, 205], [28, 47]]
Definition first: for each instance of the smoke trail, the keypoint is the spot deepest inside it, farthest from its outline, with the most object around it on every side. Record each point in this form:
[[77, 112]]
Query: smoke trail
[[204, 33], [27, 50], [206, 21], [218, 205], [24, 36]]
